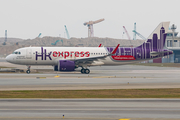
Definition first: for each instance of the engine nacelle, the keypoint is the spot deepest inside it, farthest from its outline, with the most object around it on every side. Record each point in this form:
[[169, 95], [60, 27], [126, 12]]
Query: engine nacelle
[[65, 65]]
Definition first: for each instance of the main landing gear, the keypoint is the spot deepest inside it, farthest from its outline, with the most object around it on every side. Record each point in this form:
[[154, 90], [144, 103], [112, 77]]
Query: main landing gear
[[85, 71], [28, 70]]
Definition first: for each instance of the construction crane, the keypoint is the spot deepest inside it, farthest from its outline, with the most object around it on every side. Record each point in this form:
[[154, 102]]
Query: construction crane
[[126, 33], [62, 42], [134, 37], [39, 35], [67, 33], [139, 35], [55, 42], [5, 40], [90, 26]]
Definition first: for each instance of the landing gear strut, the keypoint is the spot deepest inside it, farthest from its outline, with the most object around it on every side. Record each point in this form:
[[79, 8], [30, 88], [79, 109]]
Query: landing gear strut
[[28, 70], [85, 71]]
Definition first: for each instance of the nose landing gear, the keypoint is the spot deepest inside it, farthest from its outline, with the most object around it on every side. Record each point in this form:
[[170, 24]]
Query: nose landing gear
[[28, 70]]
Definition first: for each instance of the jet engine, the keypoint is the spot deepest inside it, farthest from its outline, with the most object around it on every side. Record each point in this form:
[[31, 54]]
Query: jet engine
[[65, 65]]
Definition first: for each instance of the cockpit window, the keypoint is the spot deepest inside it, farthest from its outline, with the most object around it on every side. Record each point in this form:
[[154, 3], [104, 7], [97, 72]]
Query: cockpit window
[[16, 52]]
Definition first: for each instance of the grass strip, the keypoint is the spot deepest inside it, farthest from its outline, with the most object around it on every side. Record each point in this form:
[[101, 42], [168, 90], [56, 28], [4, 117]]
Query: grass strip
[[115, 93], [159, 64]]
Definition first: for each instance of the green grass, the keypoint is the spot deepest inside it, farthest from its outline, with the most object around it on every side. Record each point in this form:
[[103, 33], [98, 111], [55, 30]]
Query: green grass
[[116, 93]]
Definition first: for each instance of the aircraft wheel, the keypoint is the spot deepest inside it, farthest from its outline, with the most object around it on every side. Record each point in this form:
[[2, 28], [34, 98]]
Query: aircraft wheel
[[82, 71], [87, 71], [28, 71]]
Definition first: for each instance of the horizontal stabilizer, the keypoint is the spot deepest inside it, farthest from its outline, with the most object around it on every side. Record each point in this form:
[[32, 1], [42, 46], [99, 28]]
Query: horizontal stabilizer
[[154, 53]]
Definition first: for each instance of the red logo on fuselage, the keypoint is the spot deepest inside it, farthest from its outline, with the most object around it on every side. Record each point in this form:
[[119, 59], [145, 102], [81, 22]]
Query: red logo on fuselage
[[123, 57], [66, 54]]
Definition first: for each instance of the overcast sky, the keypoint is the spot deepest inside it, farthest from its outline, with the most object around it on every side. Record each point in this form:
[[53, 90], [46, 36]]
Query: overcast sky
[[27, 18]]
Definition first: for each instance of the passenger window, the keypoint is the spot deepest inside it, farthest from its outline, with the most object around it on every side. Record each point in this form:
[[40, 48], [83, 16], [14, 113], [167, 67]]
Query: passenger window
[[19, 52]]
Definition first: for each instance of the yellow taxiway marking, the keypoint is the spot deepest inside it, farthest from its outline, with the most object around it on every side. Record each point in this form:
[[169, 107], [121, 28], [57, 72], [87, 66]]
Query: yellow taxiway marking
[[41, 77], [56, 76], [124, 119]]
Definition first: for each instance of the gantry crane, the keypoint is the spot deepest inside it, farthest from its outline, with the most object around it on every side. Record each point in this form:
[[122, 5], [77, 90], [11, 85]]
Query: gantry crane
[[135, 32], [67, 33], [126, 33], [139, 35], [90, 26], [134, 37]]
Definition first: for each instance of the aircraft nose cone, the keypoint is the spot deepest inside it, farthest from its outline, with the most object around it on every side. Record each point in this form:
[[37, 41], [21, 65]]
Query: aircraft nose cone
[[8, 58]]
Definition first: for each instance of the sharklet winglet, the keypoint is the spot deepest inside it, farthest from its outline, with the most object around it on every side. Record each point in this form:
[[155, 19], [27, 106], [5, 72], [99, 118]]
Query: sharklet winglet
[[115, 49]]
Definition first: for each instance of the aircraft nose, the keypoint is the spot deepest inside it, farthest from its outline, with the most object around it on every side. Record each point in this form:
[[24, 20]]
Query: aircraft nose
[[9, 58]]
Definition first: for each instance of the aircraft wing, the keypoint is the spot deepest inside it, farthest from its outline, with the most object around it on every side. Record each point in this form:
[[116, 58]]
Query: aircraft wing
[[89, 60]]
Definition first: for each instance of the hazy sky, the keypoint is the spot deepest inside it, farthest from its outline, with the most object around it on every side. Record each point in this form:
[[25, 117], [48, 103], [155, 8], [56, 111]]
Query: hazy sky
[[27, 18]]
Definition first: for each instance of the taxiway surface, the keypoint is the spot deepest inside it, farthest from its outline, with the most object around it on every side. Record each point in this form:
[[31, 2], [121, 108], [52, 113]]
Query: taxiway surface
[[113, 109], [106, 77]]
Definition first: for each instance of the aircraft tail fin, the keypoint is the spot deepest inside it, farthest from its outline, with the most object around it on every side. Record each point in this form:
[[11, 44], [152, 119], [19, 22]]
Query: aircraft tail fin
[[157, 38]]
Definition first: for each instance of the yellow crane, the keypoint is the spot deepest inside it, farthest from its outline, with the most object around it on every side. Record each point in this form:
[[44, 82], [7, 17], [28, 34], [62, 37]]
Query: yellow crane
[[90, 26]]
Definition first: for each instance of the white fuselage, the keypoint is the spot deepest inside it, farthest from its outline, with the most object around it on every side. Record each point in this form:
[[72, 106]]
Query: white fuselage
[[51, 55]]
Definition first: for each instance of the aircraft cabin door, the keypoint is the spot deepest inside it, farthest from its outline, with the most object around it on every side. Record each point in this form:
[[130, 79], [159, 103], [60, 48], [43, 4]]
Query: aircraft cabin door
[[28, 54], [138, 53]]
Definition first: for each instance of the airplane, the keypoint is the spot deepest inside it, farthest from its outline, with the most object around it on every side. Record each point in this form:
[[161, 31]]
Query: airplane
[[71, 58]]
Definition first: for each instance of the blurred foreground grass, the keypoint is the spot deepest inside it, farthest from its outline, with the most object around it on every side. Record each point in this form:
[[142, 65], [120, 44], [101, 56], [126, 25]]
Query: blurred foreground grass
[[115, 93], [159, 64]]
